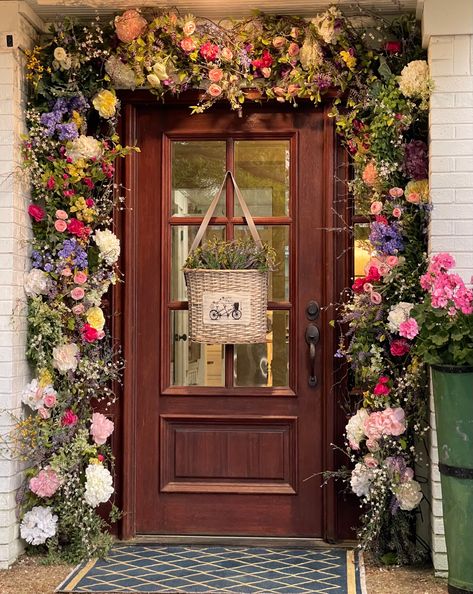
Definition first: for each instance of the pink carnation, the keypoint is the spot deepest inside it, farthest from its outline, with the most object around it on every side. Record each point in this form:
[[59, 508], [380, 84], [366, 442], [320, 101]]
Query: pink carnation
[[409, 328], [390, 421], [45, 483], [101, 428]]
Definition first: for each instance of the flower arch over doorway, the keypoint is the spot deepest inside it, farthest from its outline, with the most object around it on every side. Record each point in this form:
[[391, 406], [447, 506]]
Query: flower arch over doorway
[[381, 88]]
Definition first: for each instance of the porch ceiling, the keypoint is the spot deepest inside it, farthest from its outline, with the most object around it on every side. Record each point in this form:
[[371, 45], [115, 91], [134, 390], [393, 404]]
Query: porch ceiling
[[215, 9]]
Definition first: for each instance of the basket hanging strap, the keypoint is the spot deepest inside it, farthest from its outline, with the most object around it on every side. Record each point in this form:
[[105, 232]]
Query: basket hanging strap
[[213, 205]]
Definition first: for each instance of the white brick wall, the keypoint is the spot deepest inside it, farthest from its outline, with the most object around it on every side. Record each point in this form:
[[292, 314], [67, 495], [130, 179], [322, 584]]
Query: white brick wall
[[451, 183], [14, 235]]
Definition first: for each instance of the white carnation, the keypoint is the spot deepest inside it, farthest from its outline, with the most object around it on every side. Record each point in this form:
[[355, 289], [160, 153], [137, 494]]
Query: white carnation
[[408, 495], [37, 282], [361, 478], [122, 75], [98, 484], [38, 525], [84, 147], [355, 428], [65, 357], [109, 246], [399, 313], [415, 80]]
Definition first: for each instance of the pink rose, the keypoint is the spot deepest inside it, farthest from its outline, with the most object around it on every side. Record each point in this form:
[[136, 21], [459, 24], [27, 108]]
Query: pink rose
[[36, 212], [77, 293], [60, 225], [45, 483], [44, 413], [375, 298], [187, 44], [376, 207], [215, 90], [80, 277], [397, 212], [266, 72], [367, 287], [413, 198], [129, 25], [49, 400], [293, 49], [216, 75], [392, 261], [409, 328], [396, 192], [370, 461], [78, 309], [69, 418], [279, 42], [61, 214], [101, 428]]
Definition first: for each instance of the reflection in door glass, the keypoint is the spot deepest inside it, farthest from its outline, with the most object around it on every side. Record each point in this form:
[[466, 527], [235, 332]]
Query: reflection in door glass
[[262, 173], [193, 363], [182, 237], [265, 365], [198, 167]]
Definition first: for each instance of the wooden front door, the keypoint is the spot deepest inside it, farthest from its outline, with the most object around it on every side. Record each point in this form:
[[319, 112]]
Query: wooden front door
[[228, 440]]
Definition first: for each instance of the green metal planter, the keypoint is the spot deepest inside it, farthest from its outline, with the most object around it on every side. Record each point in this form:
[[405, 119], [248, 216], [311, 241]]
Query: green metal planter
[[453, 397]]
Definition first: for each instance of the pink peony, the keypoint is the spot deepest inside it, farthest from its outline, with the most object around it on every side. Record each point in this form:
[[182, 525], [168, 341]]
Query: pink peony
[[129, 25], [396, 192], [60, 225], [409, 328], [376, 207], [80, 277], [413, 198], [45, 483], [36, 212], [101, 428], [77, 293]]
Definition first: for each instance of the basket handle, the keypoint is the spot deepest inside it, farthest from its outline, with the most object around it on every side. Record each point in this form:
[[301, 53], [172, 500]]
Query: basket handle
[[213, 205]]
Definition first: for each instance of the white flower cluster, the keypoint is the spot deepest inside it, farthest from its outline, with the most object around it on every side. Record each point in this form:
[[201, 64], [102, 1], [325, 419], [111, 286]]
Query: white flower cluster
[[122, 75], [38, 525], [355, 430], [37, 282], [62, 59], [415, 82], [397, 314], [325, 24], [98, 484], [84, 147], [34, 395], [109, 246], [65, 357], [409, 495], [311, 53], [361, 479]]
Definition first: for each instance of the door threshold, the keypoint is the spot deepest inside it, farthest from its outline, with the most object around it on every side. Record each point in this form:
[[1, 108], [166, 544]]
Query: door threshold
[[246, 541]]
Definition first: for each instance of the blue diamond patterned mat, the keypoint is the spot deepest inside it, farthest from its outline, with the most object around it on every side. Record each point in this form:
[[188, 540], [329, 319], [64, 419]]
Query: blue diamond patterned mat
[[218, 569]]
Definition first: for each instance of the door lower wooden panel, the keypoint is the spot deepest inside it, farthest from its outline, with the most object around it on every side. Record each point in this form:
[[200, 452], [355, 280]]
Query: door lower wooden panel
[[228, 454]]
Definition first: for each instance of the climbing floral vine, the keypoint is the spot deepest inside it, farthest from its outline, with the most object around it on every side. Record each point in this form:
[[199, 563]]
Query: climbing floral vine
[[381, 87]]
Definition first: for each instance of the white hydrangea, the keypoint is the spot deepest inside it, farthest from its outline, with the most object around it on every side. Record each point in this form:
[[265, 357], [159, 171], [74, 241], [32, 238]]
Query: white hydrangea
[[33, 395], [109, 246], [84, 147], [355, 428], [98, 484], [37, 282], [409, 495], [399, 313], [415, 81], [325, 24], [361, 479], [65, 357], [311, 53], [122, 75], [38, 525]]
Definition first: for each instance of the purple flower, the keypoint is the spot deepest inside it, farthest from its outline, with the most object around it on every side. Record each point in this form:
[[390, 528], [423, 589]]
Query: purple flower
[[78, 103], [323, 81], [416, 159], [67, 131], [50, 120], [386, 238]]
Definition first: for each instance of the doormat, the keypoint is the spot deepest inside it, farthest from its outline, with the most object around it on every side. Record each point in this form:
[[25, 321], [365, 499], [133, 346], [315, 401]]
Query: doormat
[[216, 569]]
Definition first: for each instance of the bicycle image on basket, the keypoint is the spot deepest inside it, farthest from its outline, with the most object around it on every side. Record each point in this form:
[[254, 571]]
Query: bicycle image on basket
[[222, 307]]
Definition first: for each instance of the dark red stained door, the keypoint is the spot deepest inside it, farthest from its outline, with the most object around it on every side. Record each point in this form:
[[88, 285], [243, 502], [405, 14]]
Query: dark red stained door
[[227, 440]]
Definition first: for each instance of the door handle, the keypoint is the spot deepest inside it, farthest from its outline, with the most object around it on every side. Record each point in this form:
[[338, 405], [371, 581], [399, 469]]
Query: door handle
[[312, 337]]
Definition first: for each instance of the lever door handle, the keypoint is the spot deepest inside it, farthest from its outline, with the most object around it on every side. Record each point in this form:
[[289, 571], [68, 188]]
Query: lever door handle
[[312, 337]]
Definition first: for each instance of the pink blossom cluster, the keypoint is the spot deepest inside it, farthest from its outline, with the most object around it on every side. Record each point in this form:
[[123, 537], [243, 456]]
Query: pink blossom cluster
[[45, 483], [447, 290], [390, 421]]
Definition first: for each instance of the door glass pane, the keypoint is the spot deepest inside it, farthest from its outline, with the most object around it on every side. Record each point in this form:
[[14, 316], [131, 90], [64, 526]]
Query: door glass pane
[[262, 173], [193, 363], [362, 248], [198, 167], [182, 237], [266, 364], [278, 238]]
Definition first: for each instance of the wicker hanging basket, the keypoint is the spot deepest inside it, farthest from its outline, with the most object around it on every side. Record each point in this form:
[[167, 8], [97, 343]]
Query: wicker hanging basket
[[227, 306]]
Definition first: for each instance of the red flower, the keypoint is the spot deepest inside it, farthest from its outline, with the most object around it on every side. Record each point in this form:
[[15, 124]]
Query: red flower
[[384, 379], [100, 458], [373, 275], [76, 227], [392, 47], [90, 202], [357, 286], [381, 389], [382, 219], [265, 61], [399, 347], [69, 418], [51, 183], [209, 51], [88, 182], [88, 333], [36, 212]]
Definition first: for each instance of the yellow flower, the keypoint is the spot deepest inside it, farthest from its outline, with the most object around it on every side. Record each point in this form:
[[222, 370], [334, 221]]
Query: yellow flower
[[94, 461], [105, 102], [95, 318], [45, 378], [349, 60], [77, 119]]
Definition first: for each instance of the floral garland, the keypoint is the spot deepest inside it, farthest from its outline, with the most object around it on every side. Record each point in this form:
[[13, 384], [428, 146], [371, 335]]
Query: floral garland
[[70, 152]]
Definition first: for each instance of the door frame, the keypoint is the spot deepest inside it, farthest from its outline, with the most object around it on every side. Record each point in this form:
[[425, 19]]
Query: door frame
[[338, 269]]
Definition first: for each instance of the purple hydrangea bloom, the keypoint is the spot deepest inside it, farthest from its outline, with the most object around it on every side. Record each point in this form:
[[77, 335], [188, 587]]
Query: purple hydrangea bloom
[[50, 120], [67, 131], [416, 159], [72, 249], [78, 103], [386, 238]]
